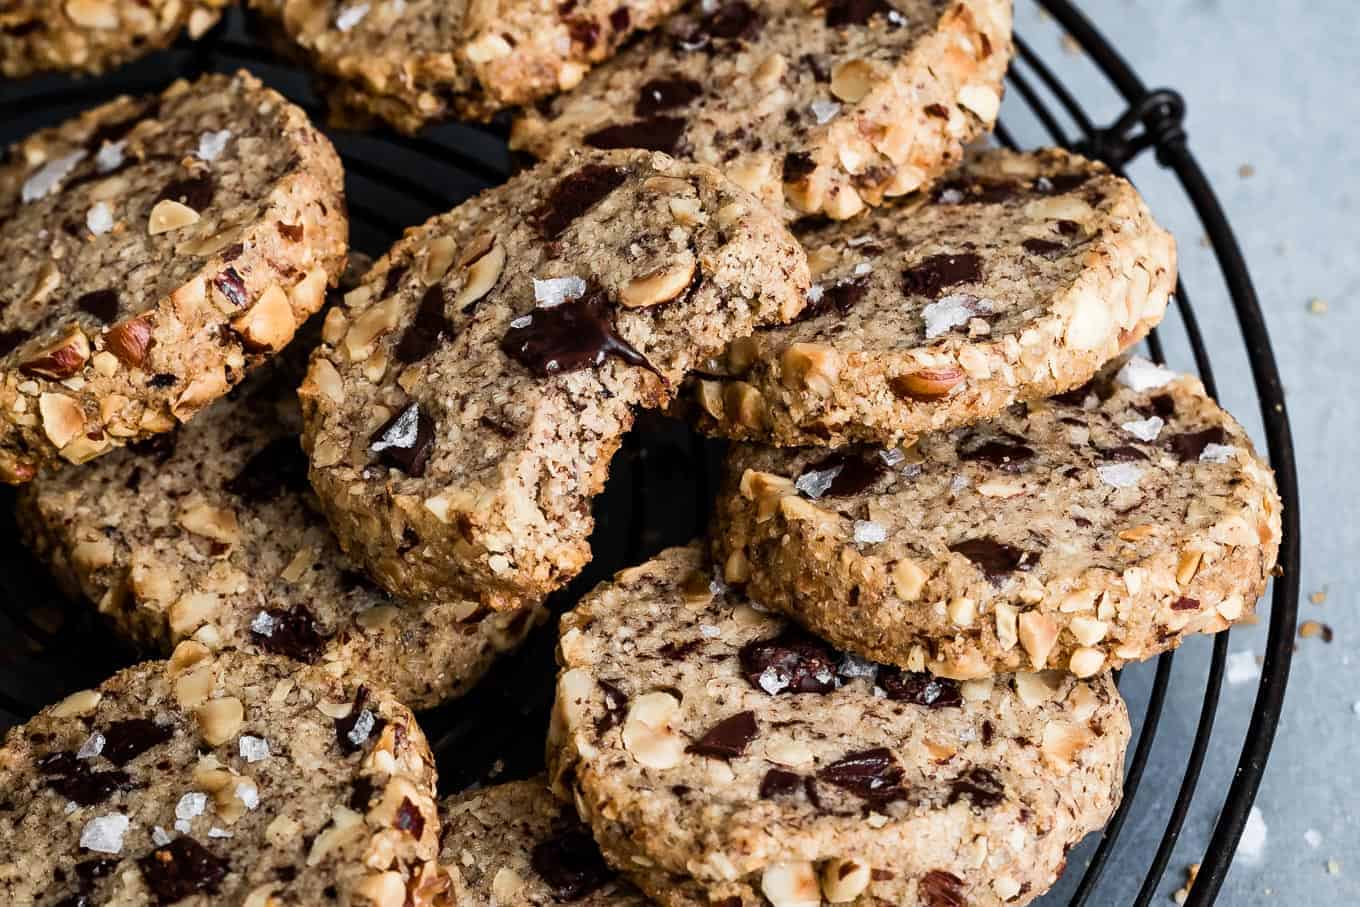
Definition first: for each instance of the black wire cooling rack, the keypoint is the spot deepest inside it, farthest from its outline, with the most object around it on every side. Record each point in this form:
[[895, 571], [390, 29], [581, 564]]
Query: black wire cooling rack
[[660, 482]]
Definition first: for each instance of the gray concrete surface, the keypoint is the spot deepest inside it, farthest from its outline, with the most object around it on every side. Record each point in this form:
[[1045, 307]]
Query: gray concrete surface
[[1274, 117]]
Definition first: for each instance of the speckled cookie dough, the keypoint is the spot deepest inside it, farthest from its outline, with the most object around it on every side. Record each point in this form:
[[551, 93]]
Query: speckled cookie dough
[[413, 62], [211, 532], [516, 844], [1078, 533], [227, 779], [816, 107], [94, 36], [703, 738], [465, 405], [1016, 278], [157, 249]]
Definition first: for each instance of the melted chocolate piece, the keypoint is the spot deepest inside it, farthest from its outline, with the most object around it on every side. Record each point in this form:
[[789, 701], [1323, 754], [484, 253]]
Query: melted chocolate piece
[[665, 94], [1044, 247], [840, 13], [858, 470], [102, 304], [126, 740], [797, 165], [91, 871], [1007, 453], [620, 19], [350, 735], [679, 651], [1061, 182], [779, 783], [933, 275], [728, 738], [792, 662], [873, 775], [938, 888], [615, 707], [651, 133], [429, 326], [839, 298], [1077, 395], [585, 32], [115, 131], [361, 794], [979, 786], [277, 467], [230, 285], [195, 191], [975, 192], [410, 819], [920, 688], [394, 276], [294, 635], [995, 559], [73, 779], [568, 337], [1124, 453], [1188, 446], [571, 864], [12, 340], [1163, 405], [732, 21], [405, 441], [180, 869], [574, 195]]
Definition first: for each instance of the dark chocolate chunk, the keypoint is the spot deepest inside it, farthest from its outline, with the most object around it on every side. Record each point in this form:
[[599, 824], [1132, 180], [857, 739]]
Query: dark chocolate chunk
[[102, 304], [1189, 445], [792, 662], [585, 32], [798, 165], [615, 707], [1184, 603], [651, 133], [1124, 453], [230, 285], [12, 340], [180, 869], [392, 281], [779, 783], [195, 192], [293, 633], [571, 864], [620, 19], [933, 275], [425, 330], [1061, 182], [405, 441], [938, 888], [277, 467], [1007, 452], [565, 338], [840, 13], [976, 192], [733, 21], [665, 94], [291, 232], [728, 738], [574, 195], [920, 688], [1045, 247], [839, 298], [982, 788], [679, 651], [995, 559], [126, 740], [87, 787], [858, 469], [91, 871], [872, 774]]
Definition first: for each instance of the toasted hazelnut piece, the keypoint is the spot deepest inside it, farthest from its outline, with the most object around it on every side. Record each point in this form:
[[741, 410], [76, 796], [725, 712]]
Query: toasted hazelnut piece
[[647, 731], [506, 885], [216, 523], [327, 379], [129, 340], [1086, 661], [710, 394], [346, 825], [77, 704], [1006, 887], [186, 655], [100, 14], [770, 71], [1006, 625], [192, 610], [1090, 323], [61, 358], [482, 275], [1037, 688], [1137, 533], [791, 885], [334, 325], [814, 366], [737, 569], [1038, 634], [744, 404], [926, 384], [1063, 742], [269, 323], [168, 215], [981, 99], [369, 326], [219, 720], [1087, 630], [851, 80], [844, 880], [842, 203], [1187, 567], [62, 418], [767, 490], [962, 611], [908, 579], [200, 20], [383, 889], [201, 391], [661, 285], [438, 259]]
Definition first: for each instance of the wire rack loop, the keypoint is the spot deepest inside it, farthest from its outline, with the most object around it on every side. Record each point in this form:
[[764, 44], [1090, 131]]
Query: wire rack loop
[[1160, 113]]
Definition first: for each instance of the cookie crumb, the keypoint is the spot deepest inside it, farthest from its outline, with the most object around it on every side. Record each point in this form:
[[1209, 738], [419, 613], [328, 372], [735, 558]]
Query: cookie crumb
[[1318, 597], [1334, 867], [1246, 171], [1183, 893], [1317, 306], [1310, 628]]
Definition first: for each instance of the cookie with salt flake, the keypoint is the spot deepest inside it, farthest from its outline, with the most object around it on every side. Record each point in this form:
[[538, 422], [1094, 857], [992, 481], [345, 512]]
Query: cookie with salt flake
[[94, 36], [157, 249], [817, 106], [1077, 533], [220, 779], [721, 756], [463, 410], [517, 844], [1016, 278]]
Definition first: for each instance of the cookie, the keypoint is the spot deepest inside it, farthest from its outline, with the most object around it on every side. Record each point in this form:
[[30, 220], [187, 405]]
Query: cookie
[[412, 62], [1017, 278], [1078, 533], [157, 249], [818, 108], [220, 779], [94, 36], [464, 408], [701, 737], [211, 532], [516, 844]]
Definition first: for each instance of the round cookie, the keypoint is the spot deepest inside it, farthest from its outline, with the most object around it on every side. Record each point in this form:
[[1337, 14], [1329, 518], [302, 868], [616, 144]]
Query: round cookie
[[818, 108], [211, 532], [516, 844], [1017, 278], [413, 62], [465, 405], [94, 36], [226, 779], [701, 737], [1078, 533], [157, 249]]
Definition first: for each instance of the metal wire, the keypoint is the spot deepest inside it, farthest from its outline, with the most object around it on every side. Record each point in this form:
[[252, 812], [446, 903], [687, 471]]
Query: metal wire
[[504, 717]]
